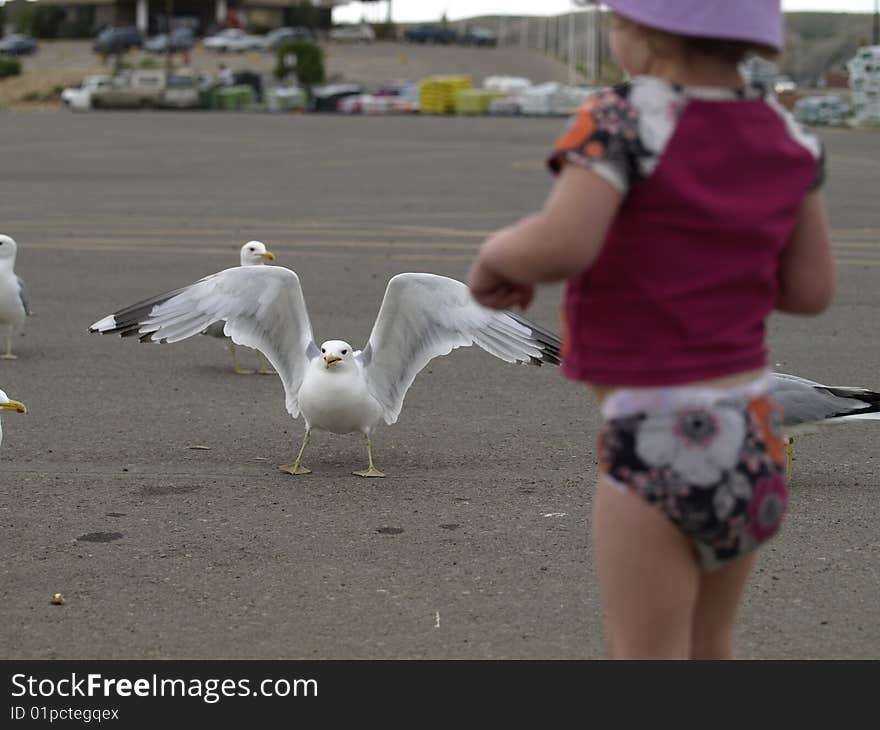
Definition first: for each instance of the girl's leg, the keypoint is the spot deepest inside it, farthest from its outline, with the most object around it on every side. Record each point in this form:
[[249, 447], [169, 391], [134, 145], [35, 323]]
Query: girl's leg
[[715, 613], [648, 575]]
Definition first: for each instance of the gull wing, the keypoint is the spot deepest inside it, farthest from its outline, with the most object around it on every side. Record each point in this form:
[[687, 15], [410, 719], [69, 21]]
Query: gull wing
[[263, 307], [424, 316], [23, 296], [806, 402]]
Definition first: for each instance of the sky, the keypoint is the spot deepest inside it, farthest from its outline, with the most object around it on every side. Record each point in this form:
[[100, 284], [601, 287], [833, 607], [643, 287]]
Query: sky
[[413, 10]]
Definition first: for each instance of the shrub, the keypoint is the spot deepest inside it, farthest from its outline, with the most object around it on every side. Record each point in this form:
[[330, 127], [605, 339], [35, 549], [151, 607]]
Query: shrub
[[386, 31], [303, 58], [9, 67]]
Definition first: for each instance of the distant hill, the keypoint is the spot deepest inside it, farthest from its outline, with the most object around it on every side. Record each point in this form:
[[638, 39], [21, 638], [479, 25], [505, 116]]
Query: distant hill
[[815, 42], [820, 42]]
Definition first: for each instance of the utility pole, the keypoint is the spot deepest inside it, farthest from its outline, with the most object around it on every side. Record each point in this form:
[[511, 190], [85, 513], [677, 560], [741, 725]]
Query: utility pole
[[877, 22], [169, 13]]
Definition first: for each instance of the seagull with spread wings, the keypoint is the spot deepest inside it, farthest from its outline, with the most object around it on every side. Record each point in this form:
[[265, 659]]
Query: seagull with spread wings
[[14, 305], [335, 387]]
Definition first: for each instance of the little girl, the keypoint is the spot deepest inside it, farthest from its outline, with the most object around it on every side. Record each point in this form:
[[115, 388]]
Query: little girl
[[686, 208]]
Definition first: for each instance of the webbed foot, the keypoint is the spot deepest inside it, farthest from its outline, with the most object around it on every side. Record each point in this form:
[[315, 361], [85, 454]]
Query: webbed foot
[[294, 469], [371, 472]]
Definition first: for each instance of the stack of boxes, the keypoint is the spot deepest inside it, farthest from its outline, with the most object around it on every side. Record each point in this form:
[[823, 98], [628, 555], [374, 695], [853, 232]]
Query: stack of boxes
[[475, 101], [437, 94], [864, 82], [821, 110], [234, 98]]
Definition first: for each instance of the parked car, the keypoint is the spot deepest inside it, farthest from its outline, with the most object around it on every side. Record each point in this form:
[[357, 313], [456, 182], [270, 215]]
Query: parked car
[[79, 98], [233, 40], [118, 40], [181, 39], [353, 33], [326, 98], [182, 91], [274, 38], [479, 36], [252, 79], [430, 34], [17, 44], [131, 90]]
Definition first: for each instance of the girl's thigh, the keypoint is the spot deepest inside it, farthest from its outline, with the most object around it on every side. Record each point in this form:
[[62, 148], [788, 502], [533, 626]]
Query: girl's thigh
[[648, 574]]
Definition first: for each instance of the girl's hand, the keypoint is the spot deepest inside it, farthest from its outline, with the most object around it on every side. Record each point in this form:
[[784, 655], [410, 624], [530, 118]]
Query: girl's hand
[[494, 291]]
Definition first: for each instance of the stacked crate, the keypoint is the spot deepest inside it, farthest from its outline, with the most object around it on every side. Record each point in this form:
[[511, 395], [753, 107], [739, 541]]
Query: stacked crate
[[821, 110], [475, 101], [234, 98], [864, 83], [437, 93]]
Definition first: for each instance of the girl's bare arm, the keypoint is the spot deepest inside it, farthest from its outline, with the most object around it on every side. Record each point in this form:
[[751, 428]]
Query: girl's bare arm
[[806, 267], [560, 241]]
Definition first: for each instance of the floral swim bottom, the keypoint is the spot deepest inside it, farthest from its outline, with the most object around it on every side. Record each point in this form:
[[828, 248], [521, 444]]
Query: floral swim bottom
[[715, 468]]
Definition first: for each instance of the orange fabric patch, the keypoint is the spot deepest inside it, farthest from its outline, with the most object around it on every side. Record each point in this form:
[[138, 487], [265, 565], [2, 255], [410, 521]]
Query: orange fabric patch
[[761, 409], [594, 149], [581, 130]]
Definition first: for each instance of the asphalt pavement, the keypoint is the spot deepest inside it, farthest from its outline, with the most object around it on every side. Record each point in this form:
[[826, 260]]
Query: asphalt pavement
[[476, 545]]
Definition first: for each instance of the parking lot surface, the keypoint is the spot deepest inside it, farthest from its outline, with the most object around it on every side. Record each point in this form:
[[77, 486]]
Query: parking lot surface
[[476, 545]]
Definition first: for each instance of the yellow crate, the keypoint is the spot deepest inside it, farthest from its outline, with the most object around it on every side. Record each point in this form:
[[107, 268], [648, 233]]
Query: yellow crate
[[437, 94]]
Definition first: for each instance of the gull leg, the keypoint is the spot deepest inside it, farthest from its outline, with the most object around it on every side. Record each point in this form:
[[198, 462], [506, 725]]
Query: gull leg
[[235, 365], [789, 457], [371, 470], [296, 467], [9, 355], [264, 368]]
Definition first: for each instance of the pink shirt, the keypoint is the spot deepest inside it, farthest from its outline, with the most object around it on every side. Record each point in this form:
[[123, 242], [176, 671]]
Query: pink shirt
[[713, 182]]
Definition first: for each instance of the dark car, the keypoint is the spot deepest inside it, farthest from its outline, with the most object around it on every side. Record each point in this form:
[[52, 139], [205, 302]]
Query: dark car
[[326, 98], [274, 38], [479, 36], [118, 40], [252, 79], [430, 34], [18, 45], [181, 39]]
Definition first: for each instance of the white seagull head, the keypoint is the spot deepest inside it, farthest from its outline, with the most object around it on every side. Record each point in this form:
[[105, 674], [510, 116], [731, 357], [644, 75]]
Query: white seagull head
[[336, 353], [7, 248], [254, 253]]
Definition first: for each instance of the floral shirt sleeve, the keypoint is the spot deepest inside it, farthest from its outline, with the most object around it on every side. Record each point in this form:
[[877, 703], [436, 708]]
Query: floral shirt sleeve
[[603, 136]]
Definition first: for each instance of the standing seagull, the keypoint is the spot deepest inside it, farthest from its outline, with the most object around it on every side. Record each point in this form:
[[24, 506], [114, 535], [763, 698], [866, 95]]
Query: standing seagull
[[335, 387], [14, 305], [6, 404], [253, 253]]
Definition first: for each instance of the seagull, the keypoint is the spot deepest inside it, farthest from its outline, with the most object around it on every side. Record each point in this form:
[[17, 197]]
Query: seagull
[[253, 253], [14, 304], [7, 404], [335, 387], [808, 406]]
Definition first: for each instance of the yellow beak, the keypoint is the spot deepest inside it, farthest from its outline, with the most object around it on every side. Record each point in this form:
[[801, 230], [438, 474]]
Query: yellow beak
[[269, 256], [331, 360], [13, 405]]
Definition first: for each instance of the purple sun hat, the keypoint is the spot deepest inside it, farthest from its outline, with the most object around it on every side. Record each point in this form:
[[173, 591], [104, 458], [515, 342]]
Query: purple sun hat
[[759, 21]]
